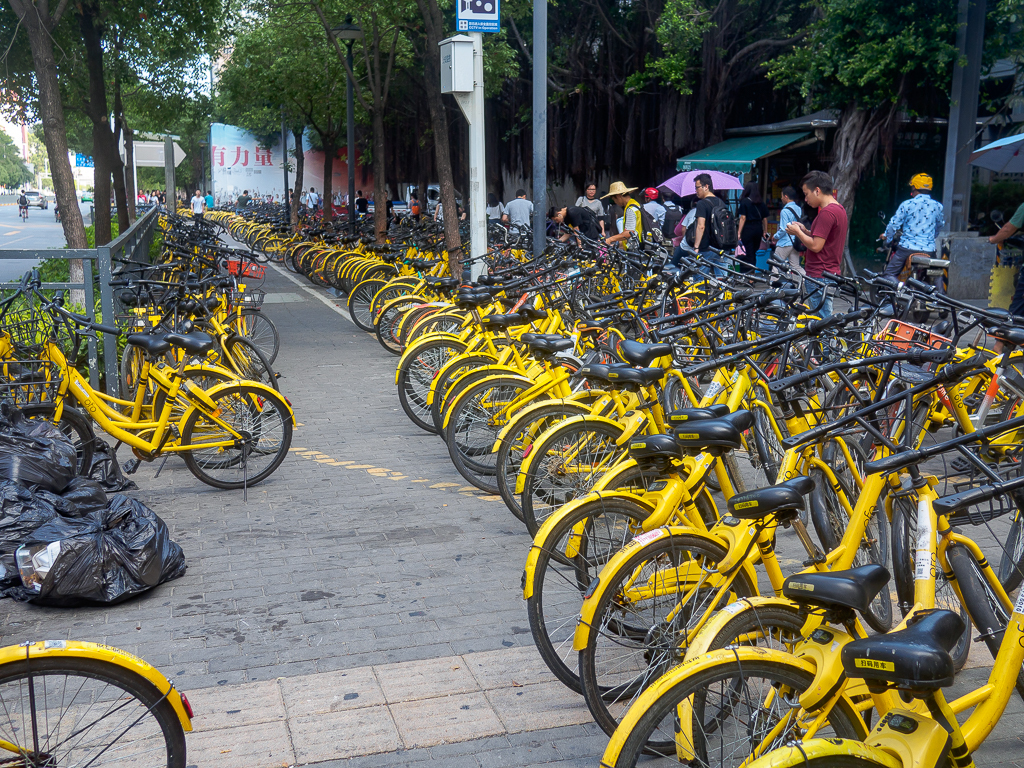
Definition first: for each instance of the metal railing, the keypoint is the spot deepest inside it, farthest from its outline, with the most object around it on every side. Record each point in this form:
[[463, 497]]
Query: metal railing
[[131, 245]]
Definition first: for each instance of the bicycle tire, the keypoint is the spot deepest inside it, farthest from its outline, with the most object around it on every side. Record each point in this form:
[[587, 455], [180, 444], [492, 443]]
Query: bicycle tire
[[96, 684], [701, 686], [548, 484], [904, 539], [260, 330], [73, 424], [416, 375], [262, 415], [456, 376], [769, 448], [985, 609], [249, 362], [765, 626], [359, 300], [648, 635]]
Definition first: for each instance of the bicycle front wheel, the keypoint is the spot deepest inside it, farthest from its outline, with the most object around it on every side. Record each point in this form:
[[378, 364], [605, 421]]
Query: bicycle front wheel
[[249, 362], [254, 447], [261, 331], [78, 711]]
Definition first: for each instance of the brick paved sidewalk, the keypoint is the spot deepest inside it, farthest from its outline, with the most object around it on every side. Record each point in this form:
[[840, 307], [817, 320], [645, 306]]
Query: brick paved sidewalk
[[363, 605]]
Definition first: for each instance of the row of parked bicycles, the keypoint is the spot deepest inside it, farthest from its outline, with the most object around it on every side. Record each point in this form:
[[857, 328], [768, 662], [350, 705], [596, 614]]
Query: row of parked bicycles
[[675, 442]]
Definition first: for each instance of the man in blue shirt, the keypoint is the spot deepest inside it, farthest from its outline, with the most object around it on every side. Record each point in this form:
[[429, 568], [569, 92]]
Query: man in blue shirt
[[784, 243], [920, 219]]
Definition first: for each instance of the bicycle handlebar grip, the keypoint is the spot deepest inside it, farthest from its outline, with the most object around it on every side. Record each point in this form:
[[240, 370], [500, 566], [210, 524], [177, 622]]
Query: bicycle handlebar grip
[[917, 285], [105, 328], [958, 370]]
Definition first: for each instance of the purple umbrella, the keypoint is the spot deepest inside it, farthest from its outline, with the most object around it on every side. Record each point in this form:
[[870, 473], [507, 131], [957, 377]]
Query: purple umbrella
[[682, 183]]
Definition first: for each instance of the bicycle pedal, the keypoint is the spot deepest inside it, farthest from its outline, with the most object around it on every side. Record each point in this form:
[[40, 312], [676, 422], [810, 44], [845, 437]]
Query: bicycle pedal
[[131, 466]]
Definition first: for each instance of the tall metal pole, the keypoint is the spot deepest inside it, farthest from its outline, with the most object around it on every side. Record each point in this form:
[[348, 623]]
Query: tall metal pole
[[172, 196], [350, 112], [477, 162], [963, 114], [540, 124], [284, 158]]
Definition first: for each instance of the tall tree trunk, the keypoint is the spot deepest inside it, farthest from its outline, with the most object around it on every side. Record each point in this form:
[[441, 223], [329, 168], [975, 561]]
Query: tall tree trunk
[[300, 165], [38, 23], [380, 194], [96, 108], [858, 136], [330, 152], [434, 28]]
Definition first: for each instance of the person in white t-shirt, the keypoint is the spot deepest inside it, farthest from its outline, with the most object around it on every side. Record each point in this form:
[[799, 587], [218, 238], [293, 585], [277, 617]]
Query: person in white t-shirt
[[198, 205]]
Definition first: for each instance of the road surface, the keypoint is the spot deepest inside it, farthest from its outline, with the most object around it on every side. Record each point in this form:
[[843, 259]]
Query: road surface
[[39, 232]]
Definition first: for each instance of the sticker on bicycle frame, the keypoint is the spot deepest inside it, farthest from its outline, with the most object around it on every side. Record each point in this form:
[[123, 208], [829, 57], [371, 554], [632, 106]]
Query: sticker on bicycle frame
[[922, 565], [734, 608], [883, 666], [1019, 606], [646, 538], [55, 644], [713, 389]]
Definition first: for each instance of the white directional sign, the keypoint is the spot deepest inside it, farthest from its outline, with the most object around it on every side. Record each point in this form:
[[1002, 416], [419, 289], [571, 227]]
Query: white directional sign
[[478, 15], [150, 154]]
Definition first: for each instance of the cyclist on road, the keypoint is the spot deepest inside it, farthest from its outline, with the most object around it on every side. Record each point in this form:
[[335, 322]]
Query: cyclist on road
[[920, 219], [23, 206]]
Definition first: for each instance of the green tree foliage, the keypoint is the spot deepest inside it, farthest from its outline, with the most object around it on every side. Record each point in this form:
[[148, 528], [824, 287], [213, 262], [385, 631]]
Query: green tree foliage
[[13, 171]]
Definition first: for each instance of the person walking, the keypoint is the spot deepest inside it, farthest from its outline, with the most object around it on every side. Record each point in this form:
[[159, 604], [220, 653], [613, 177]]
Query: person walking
[[362, 204], [209, 201], [519, 212], [198, 206], [589, 199], [753, 223], [785, 248], [631, 223], [653, 207], [313, 199], [707, 202], [494, 208], [826, 238], [920, 219]]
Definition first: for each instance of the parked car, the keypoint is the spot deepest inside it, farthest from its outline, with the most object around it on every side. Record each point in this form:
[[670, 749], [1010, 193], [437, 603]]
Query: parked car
[[37, 200], [87, 197]]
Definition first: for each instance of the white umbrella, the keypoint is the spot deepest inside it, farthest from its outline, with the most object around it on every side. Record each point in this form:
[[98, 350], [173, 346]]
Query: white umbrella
[[1003, 156]]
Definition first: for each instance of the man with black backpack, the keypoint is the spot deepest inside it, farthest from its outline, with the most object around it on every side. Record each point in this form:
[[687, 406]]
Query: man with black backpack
[[714, 227]]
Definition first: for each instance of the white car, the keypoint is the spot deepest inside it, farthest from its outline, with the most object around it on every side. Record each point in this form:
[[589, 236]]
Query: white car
[[37, 200]]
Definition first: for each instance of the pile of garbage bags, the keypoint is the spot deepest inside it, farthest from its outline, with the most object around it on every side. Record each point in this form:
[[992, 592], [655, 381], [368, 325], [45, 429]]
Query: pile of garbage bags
[[63, 542]]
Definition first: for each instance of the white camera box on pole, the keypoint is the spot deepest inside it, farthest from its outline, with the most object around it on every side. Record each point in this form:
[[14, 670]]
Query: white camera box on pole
[[462, 75]]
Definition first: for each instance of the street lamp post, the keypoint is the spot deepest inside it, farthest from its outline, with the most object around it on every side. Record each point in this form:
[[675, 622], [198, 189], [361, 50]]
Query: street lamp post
[[350, 32]]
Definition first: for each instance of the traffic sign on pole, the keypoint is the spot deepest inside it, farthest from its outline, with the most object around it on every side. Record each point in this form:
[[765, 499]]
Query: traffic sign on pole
[[478, 16]]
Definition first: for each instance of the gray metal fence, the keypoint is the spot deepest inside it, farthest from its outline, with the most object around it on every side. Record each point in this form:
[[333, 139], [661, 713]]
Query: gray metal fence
[[131, 245]]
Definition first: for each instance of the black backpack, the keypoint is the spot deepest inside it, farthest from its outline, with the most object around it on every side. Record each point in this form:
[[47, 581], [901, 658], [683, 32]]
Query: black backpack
[[649, 224], [723, 228], [672, 217]]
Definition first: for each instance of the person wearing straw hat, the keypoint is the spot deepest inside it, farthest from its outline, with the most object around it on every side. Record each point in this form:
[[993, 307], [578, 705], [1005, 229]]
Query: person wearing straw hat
[[631, 224]]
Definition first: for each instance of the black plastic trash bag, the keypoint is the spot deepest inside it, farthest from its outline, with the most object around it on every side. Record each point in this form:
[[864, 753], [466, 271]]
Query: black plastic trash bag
[[105, 557], [21, 514], [80, 497], [34, 452], [105, 470]]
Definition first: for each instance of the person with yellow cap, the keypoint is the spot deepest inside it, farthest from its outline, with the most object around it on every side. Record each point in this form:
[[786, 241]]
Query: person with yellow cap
[[631, 224], [919, 219]]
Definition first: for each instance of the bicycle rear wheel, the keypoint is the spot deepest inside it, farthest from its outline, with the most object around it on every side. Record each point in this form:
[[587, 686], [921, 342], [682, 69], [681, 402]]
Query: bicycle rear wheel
[[218, 458], [260, 330], [249, 362], [80, 711]]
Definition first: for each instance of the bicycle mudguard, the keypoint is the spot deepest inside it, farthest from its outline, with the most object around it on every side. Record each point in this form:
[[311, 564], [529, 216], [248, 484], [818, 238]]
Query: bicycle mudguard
[[664, 684], [700, 643], [269, 392], [566, 403], [413, 348], [492, 369], [524, 468], [795, 757], [81, 650], [600, 585], [459, 360], [541, 540], [465, 393]]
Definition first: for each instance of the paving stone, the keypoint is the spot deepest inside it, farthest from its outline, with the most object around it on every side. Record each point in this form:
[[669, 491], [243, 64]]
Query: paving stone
[[450, 718], [261, 745], [331, 692], [328, 735], [231, 706], [425, 679]]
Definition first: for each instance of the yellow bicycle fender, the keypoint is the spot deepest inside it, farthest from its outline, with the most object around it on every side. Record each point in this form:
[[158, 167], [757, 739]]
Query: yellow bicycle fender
[[493, 369], [107, 653], [823, 649], [566, 403], [269, 392], [702, 640], [541, 542], [454, 362], [743, 654], [465, 393], [604, 577], [528, 461], [413, 348], [793, 757]]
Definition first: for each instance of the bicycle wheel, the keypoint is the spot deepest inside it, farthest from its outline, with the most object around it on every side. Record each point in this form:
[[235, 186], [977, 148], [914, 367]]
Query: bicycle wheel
[[831, 520], [249, 362], [387, 321], [218, 458], [80, 711], [260, 330], [768, 444], [645, 617], [418, 373], [474, 423], [518, 442], [764, 626], [1011, 562], [985, 608], [452, 379], [74, 426], [359, 302], [733, 707], [565, 464], [904, 542]]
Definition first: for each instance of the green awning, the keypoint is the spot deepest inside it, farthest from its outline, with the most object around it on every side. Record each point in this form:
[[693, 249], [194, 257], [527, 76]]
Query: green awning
[[738, 155]]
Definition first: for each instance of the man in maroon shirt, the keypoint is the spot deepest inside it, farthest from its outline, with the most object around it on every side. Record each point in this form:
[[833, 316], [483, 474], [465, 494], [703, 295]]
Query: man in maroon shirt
[[827, 237]]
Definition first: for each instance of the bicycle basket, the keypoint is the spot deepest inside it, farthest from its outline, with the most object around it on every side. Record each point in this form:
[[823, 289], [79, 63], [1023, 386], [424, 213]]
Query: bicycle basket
[[978, 514], [898, 336], [253, 298], [242, 268], [29, 381]]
